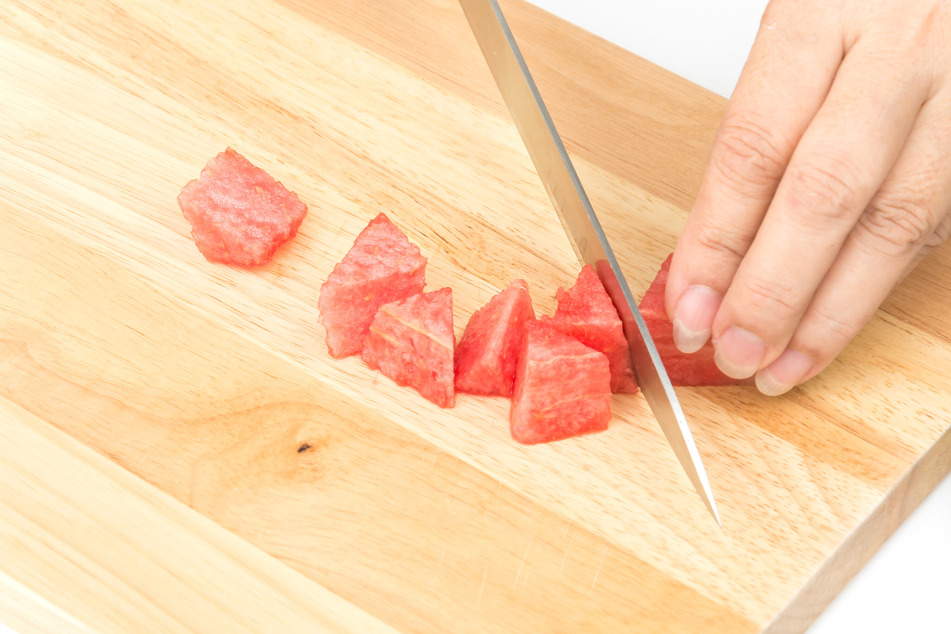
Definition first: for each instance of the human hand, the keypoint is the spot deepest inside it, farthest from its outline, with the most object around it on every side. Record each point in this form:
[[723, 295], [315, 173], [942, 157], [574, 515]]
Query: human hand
[[829, 179]]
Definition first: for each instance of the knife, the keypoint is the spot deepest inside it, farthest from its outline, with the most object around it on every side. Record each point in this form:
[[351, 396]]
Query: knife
[[557, 173]]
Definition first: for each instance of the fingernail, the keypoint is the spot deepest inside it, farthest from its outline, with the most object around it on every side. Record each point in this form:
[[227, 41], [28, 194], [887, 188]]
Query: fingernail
[[783, 374], [739, 352], [693, 317]]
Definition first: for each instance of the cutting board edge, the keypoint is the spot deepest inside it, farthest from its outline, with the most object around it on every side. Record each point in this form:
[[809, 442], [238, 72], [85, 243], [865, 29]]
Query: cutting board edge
[[861, 544]]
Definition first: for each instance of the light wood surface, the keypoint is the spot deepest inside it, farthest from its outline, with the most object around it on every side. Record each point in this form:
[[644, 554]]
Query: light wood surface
[[179, 452]]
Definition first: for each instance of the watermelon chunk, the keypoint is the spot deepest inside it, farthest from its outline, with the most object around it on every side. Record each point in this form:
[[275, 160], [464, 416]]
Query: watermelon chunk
[[412, 342], [488, 351], [239, 214], [695, 369], [586, 312], [381, 267], [562, 387]]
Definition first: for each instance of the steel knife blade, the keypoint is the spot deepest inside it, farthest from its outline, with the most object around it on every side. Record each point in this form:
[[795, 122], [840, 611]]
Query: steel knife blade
[[558, 175]]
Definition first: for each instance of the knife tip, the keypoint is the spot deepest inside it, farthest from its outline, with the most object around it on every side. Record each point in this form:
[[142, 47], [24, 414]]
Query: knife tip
[[712, 506]]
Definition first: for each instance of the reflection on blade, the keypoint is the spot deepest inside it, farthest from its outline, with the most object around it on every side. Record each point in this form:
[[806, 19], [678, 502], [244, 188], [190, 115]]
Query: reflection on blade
[[581, 224], [653, 380]]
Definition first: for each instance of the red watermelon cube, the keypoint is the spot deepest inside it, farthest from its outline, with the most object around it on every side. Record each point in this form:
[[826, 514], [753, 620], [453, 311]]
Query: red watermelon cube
[[586, 312], [562, 387], [239, 214], [412, 342], [488, 351], [381, 267], [695, 369]]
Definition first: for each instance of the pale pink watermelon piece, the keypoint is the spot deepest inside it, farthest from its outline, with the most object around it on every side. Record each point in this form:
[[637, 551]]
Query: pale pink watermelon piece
[[488, 351], [695, 369], [586, 312], [239, 214], [412, 342], [562, 387], [381, 267]]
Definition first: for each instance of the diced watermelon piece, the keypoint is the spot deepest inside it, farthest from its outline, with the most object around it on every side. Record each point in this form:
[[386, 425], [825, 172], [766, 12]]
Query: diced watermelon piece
[[412, 342], [488, 351], [239, 214], [562, 387], [695, 369], [381, 267], [586, 312]]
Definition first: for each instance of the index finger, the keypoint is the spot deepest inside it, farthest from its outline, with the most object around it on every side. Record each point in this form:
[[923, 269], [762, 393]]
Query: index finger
[[785, 80]]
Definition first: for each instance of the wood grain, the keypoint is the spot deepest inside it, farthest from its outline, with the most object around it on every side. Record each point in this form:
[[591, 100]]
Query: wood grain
[[78, 564], [158, 382]]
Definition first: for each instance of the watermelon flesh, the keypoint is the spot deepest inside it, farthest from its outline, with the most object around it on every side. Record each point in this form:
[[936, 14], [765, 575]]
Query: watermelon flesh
[[487, 353], [562, 387], [381, 267], [695, 369], [586, 312], [238, 213], [412, 342]]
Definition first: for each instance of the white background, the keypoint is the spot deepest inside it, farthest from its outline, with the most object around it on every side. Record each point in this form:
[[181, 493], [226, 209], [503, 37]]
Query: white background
[[906, 586]]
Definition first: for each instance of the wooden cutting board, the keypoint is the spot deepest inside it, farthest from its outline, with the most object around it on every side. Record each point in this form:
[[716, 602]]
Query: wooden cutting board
[[177, 450]]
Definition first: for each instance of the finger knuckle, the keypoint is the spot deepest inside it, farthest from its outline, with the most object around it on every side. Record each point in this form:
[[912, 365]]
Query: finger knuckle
[[778, 12], [769, 16], [721, 239], [821, 335], [772, 298], [941, 234], [900, 224], [825, 191], [832, 331], [749, 154], [930, 32]]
